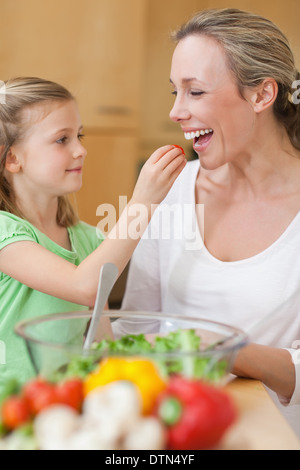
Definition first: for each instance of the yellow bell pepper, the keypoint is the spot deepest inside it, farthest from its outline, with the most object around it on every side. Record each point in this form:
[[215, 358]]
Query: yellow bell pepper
[[143, 373]]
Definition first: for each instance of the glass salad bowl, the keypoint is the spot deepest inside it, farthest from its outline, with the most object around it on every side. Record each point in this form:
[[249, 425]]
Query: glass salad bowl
[[189, 346]]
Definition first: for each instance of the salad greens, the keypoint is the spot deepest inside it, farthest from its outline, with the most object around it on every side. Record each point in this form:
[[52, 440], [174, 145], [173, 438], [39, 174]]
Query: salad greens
[[170, 353]]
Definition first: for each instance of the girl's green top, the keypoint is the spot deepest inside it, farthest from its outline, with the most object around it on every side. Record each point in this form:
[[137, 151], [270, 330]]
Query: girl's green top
[[18, 302]]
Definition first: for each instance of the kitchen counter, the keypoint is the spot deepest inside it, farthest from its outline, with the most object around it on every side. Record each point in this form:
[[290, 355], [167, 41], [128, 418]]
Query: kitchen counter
[[260, 424]]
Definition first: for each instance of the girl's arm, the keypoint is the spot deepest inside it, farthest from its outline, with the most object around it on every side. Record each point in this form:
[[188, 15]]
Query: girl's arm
[[39, 269], [272, 366]]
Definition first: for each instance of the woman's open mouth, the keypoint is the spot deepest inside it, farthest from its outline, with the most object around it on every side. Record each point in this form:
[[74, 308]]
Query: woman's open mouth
[[201, 138]]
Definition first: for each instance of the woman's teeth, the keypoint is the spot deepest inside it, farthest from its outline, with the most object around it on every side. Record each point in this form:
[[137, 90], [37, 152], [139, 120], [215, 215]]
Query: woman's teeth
[[192, 135]]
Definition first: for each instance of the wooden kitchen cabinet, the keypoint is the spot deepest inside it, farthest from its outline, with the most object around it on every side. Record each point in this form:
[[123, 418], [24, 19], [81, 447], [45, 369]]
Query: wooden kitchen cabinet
[[95, 48]]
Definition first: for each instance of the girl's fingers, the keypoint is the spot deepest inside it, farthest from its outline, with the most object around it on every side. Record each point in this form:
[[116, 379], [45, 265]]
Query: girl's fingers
[[158, 174]]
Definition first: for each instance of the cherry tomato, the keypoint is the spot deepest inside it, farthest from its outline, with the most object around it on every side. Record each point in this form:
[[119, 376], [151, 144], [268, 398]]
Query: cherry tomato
[[15, 412], [39, 394], [180, 148], [70, 393]]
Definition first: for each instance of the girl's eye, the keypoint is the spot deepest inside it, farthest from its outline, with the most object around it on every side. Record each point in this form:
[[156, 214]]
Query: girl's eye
[[62, 140], [174, 93]]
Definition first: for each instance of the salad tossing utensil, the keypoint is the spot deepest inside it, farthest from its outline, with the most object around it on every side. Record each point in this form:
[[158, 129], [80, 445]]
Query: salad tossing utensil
[[108, 276]]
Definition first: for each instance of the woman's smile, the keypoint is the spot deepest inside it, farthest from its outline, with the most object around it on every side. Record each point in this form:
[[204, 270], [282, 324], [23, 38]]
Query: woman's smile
[[201, 138]]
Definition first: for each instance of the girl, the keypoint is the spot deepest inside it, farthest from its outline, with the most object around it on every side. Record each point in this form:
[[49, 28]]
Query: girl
[[49, 260]]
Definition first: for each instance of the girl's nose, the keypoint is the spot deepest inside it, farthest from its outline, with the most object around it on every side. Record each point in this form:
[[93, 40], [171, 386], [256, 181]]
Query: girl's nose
[[79, 151], [179, 112]]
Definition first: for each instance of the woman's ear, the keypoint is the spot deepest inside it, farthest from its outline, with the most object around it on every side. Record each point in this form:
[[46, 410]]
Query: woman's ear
[[264, 95], [12, 164]]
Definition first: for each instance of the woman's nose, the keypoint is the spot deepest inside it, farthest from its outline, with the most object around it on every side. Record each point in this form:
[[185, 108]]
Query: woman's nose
[[179, 112]]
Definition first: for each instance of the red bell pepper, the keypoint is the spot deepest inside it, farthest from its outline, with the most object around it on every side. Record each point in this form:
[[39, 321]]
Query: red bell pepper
[[196, 415]]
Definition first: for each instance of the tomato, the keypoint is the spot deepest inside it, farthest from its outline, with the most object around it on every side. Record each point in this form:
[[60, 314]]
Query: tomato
[[15, 412], [180, 148], [70, 393], [39, 394]]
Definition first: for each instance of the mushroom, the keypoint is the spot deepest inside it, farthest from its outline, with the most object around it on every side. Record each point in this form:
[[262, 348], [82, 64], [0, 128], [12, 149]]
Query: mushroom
[[54, 426], [115, 407], [147, 434]]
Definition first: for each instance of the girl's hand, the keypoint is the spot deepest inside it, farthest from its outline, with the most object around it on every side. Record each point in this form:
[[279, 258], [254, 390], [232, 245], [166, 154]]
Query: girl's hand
[[158, 175]]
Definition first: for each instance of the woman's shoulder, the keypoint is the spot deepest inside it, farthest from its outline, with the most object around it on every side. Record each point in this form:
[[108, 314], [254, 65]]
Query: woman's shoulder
[[188, 174], [185, 183], [191, 168]]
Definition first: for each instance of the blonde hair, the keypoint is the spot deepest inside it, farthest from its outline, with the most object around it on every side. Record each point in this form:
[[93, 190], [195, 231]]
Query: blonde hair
[[256, 49], [20, 94]]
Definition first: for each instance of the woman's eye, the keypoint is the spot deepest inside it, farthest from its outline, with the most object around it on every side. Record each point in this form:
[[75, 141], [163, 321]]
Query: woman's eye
[[80, 136], [197, 93], [192, 93]]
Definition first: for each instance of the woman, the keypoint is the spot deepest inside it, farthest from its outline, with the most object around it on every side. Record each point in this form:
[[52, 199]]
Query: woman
[[233, 75]]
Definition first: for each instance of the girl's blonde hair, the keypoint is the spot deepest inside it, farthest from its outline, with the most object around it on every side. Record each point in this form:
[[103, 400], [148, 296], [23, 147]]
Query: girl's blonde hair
[[19, 94], [256, 49]]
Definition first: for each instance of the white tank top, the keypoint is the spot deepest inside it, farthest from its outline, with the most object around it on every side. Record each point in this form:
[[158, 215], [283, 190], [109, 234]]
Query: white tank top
[[240, 293], [179, 275]]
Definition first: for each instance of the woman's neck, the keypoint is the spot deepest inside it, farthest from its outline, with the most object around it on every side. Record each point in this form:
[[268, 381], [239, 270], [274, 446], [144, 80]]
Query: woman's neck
[[269, 166]]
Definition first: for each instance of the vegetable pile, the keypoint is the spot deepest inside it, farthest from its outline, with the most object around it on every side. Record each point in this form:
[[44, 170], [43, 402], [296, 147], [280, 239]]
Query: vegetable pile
[[121, 402], [175, 353], [21, 405]]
